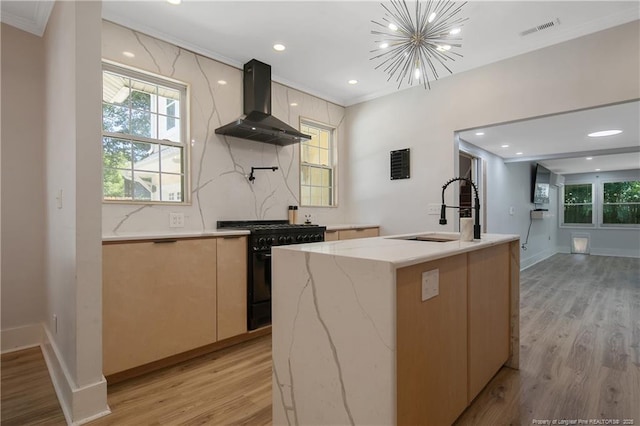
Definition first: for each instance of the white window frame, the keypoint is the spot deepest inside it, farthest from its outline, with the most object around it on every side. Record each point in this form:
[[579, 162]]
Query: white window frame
[[183, 88], [601, 206], [594, 206], [333, 160]]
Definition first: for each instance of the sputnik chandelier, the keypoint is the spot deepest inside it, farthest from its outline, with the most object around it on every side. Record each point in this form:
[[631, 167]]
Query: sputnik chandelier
[[409, 47]]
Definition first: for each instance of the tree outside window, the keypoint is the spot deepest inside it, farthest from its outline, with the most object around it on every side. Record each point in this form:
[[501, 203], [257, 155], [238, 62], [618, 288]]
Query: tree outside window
[[578, 204], [621, 203]]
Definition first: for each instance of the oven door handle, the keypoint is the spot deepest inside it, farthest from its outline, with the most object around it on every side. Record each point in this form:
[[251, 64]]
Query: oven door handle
[[264, 256]]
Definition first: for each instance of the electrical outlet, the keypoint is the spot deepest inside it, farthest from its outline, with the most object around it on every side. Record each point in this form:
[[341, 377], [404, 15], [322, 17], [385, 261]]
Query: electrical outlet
[[433, 209], [176, 220], [54, 324], [512, 210], [430, 284]]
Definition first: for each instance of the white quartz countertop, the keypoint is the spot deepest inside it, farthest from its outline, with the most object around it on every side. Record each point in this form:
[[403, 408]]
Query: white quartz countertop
[[399, 251], [160, 236], [343, 227]]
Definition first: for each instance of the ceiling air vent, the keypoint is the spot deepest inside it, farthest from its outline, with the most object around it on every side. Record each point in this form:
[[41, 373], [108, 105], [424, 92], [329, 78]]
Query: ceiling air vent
[[541, 27]]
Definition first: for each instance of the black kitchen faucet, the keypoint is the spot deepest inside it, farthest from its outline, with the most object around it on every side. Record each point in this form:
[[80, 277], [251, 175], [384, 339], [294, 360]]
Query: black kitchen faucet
[[476, 207]]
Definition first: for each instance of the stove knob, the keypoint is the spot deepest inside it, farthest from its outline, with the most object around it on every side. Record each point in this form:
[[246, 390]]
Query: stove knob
[[299, 238], [261, 241], [282, 240], [306, 238], [270, 241], [317, 237], [289, 239]]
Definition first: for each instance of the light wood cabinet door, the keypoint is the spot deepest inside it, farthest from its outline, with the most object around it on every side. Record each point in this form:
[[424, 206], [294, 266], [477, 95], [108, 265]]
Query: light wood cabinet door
[[159, 299], [431, 344], [331, 236], [232, 286], [488, 290], [349, 234]]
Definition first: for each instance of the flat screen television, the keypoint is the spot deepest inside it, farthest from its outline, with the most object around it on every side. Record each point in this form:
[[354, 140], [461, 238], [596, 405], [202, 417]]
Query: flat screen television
[[540, 182]]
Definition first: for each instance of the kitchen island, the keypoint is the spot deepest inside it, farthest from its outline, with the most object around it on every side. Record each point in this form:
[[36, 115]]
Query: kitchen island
[[391, 330]]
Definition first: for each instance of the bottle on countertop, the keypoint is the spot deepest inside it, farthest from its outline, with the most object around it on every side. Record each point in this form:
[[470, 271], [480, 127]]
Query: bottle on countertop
[[291, 217], [295, 214]]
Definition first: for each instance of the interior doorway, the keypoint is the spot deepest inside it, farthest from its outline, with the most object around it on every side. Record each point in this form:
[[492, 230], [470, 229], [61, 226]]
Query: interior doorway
[[467, 168], [471, 167]]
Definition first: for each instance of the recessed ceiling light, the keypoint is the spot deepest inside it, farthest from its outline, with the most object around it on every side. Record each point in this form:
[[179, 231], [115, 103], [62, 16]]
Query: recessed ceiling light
[[174, 1], [353, 81], [253, 128], [279, 47], [293, 104], [393, 27], [518, 153], [222, 82], [128, 54], [589, 158], [604, 133], [504, 146], [384, 45], [431, 17], [455, 31], [479, 133], [597, 170]]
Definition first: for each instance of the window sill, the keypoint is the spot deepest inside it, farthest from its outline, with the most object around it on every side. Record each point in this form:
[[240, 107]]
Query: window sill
[[602, 227], [147, 203]]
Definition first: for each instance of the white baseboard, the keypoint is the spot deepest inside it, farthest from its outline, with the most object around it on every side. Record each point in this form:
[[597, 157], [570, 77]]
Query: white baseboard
[[18, 338], [606, 252], [79, 404], [539, 257]]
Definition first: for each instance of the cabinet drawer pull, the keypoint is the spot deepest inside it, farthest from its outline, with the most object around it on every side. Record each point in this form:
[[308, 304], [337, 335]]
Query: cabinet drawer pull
[[164, 241]]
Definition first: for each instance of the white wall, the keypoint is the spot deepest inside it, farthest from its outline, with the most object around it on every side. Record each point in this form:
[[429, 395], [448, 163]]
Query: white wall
[[603, 240], [23, 295], [220, 190], [559, 78], [73, 207]]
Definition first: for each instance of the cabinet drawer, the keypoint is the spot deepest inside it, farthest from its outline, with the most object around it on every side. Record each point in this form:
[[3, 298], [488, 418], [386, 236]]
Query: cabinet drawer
[[158, 300], [349, 234]]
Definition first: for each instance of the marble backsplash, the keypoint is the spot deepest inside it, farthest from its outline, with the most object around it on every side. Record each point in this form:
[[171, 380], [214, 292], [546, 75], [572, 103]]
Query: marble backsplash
[[220, 165]]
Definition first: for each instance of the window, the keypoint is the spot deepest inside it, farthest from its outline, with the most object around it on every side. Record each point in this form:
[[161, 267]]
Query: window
[[317, 165], [144, 147], [621, 203], [578, 204]]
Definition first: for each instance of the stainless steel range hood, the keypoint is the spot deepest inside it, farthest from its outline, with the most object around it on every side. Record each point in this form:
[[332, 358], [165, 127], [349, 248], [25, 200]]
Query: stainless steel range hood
[[258, 124]]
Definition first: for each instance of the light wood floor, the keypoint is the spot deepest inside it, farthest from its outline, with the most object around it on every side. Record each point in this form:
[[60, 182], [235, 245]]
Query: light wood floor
[[579, 353], [27, 395], [580, 359]]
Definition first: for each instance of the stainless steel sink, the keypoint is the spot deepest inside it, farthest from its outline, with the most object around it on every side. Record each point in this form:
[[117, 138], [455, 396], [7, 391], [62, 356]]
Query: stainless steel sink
[[433, 237]]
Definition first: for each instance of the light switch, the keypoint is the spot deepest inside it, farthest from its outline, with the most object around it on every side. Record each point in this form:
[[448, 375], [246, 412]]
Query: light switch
[[430, 284], [512, 210]]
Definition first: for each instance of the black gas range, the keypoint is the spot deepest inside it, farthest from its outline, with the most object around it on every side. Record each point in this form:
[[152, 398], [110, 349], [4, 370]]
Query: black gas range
[[265, 234]]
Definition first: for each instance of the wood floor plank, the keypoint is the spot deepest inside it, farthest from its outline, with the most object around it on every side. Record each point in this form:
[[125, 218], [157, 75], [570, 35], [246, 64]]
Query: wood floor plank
[[579, 359]]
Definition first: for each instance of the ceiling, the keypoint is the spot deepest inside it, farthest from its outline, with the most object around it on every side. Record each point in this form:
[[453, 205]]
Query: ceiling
[[561, 144], [329, 42]]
